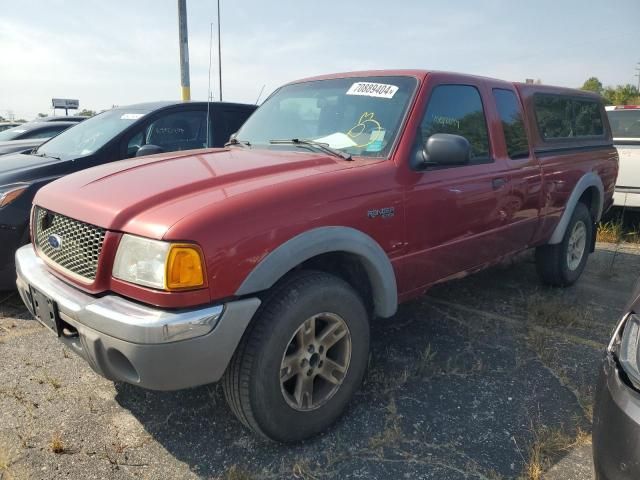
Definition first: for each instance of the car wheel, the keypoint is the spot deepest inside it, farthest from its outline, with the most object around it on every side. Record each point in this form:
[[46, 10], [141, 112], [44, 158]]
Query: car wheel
[[562, 264], [302, 358]]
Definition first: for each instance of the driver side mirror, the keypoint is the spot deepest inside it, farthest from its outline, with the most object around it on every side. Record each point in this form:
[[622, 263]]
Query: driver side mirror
[[442, 149], [149, 150]]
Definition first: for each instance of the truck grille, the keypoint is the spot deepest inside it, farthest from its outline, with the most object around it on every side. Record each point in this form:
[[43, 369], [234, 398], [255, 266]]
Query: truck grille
[[72, 244]]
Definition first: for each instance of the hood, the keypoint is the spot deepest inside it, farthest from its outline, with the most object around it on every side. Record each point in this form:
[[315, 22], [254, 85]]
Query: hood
[[18, 164], [19, 145], [145, 196]]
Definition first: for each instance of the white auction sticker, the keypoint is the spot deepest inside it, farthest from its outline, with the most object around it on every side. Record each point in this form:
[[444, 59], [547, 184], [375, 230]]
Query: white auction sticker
[[380, 90], [131, 116]]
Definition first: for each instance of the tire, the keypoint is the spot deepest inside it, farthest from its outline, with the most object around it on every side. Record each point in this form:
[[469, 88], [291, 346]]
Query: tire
[[252, 382], [554, 264]]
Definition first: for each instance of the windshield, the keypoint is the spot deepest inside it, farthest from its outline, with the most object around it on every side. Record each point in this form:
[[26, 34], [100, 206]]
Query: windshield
[[90, 135], [359, 115], [12, 133], [624, 123]]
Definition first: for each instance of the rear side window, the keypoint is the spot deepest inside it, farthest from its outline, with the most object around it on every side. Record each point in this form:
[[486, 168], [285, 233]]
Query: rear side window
[[510, 112], [563, 117], [457, 109]]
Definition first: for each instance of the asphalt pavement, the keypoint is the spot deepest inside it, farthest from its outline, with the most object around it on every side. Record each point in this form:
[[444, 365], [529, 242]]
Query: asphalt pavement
[[486, 377]]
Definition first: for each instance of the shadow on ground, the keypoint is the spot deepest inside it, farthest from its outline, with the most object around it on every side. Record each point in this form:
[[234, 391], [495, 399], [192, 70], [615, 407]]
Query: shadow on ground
[[463, 383]]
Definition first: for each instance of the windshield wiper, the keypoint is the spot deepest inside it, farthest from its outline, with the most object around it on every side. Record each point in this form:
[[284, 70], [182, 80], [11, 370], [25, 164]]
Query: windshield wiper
[[45, 155], [235, 141], [312, 143]]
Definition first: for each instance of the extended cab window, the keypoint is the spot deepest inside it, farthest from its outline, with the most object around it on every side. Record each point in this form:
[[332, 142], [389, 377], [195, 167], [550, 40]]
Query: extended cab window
[[510, 113], [562, 117], [457, 109]]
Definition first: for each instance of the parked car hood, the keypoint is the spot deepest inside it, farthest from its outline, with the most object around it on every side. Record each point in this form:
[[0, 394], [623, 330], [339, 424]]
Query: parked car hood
[[11, 146], [145, 196], [16, 163]]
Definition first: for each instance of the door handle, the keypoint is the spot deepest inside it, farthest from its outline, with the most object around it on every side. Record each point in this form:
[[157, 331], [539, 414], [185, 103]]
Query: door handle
[[498, 183]]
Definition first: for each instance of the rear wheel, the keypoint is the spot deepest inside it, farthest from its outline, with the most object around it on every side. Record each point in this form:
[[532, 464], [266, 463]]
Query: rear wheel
[[562, 264], [301, 360]]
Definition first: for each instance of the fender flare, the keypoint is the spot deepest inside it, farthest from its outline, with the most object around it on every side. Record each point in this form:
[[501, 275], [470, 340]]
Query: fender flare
[[321, 240], [589, 179]]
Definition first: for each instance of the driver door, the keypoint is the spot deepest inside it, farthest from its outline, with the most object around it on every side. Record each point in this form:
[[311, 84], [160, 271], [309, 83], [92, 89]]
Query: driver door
[[453, 212]]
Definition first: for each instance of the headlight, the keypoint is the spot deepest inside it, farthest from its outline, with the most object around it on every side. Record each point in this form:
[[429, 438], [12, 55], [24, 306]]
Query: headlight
[[8, 193], [157, 264], [628, 351]]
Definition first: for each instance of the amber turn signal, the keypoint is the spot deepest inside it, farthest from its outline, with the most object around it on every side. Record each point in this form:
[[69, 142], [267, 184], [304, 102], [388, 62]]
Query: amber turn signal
[[185, 268], [12, 192]]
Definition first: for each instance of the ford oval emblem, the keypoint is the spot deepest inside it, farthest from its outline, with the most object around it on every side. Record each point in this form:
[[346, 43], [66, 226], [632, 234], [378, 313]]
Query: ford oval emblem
[[55, 241]]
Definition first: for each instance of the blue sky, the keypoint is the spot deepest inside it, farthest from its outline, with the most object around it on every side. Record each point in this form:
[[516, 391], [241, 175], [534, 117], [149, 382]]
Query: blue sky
[[121, 52]]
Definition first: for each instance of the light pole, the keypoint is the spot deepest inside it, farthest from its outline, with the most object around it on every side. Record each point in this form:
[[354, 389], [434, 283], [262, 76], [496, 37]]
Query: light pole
[[219, 53], [183, 39]]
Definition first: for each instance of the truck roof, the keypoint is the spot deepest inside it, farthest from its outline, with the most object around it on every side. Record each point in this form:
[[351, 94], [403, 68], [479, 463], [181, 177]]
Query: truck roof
[[168, 103], [523, 88]]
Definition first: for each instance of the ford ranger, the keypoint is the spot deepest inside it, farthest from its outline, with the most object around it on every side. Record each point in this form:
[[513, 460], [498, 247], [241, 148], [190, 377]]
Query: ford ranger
[[261, 264]]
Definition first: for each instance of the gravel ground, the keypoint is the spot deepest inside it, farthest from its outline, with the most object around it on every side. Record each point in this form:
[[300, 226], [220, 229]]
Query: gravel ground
[[486, 377]]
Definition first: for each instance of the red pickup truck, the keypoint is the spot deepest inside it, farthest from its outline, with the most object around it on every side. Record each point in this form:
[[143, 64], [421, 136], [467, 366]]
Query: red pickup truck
[[262, 263]]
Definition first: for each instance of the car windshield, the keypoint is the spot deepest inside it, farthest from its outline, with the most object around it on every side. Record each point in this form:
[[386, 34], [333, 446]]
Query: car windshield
[[624, 123], [88, 136], [359, 115], [13, 133]]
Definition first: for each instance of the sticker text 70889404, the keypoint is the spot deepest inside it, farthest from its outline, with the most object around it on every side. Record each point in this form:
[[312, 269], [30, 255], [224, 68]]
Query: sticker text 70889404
[[380, 90]]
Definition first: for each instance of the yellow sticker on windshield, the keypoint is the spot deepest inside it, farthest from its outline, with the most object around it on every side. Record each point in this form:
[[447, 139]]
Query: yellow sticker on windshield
[[363, 132]]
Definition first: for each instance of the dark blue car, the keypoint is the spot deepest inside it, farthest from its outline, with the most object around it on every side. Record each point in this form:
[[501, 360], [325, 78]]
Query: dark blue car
[[116, 134]]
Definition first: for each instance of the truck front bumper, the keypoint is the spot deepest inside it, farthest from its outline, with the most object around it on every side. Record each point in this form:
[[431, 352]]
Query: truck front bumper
[[122, 340]]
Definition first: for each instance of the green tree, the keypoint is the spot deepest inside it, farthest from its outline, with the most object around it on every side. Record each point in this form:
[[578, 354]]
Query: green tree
[[621, 95], [42, 115], [87, 113], [593, 85]]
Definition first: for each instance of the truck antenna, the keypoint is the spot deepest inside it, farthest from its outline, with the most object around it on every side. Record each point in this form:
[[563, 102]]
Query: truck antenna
[[260, 94], [209, 87]]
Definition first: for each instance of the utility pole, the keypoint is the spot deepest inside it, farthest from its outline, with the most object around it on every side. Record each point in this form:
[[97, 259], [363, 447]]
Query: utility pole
[[219, 53], [638, 75], [183, 39]]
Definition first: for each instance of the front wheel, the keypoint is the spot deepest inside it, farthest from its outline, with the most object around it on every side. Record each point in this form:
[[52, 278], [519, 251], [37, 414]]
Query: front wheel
[[302, 359], [562, 264]]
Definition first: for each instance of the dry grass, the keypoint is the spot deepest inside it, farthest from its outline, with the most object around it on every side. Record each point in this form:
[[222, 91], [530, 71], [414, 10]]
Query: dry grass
[[547, 311], [425, 365], [392, 433], [54, 382], [549, 444], [56, 444], [301, 470], [5, 461], [614, 231]]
